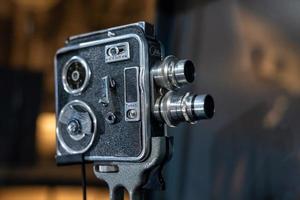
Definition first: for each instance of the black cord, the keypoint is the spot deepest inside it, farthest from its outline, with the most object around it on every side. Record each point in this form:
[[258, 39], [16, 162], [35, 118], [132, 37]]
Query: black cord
[[83, 179]]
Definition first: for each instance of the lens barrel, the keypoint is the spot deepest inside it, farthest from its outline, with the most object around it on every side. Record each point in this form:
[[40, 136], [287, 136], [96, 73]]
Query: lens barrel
[[172, 73], [173, 108]]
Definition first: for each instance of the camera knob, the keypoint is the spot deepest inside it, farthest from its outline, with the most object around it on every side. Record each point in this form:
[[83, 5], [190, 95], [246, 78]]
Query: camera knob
[[74, 127]]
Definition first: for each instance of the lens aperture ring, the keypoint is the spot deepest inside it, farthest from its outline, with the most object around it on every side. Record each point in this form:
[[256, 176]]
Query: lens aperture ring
[[187, 108]]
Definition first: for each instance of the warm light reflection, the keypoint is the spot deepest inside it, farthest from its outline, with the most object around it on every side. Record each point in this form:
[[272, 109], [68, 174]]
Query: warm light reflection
[[53, 193], [45, 134], [23, 193], [37, 5]]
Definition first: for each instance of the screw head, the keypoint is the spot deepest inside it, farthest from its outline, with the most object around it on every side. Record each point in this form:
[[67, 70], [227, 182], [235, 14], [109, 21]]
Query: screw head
[[113, 51], [131, 114], [75, 75], [110, 118], [73, 127]]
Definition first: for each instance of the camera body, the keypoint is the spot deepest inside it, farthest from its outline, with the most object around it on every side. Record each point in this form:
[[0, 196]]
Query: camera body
[[103, 93], [115, 91]]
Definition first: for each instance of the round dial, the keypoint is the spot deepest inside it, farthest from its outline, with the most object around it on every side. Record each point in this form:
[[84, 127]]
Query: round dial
[[76, 127], [75, 75]]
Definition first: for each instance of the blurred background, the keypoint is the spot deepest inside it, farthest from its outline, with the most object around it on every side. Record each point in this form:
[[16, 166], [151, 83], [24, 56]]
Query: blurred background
[[246, 54]]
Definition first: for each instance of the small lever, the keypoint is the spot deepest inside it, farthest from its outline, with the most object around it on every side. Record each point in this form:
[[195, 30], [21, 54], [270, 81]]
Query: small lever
[[106, 84]]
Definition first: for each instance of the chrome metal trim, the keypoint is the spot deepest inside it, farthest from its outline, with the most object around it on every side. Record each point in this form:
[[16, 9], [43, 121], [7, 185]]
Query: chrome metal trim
[[141, 24], [64, 75], [132, 105], [165, 107], [58, 135], [104, 99], [187, 108], [58, 152], [172, 73]]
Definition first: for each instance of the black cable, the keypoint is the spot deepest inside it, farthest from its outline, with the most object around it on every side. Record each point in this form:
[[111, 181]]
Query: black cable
[[83, 179]]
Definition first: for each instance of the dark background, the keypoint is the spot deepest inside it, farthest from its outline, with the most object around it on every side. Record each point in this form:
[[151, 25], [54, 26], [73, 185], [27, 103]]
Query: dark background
[[246, 54]]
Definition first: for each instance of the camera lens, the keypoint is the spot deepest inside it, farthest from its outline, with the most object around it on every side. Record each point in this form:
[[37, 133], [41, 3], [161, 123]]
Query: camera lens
[[75, 75], [173, 108], [189, 70], [172, 73], [204, 106]]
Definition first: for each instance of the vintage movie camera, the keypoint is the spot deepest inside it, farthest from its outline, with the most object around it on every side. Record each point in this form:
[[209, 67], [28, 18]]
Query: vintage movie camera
[[115, 92]]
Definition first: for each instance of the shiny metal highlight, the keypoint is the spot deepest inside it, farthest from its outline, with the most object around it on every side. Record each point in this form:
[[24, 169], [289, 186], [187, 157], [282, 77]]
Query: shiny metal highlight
[[172, 73], [173, 108], [67, 115]]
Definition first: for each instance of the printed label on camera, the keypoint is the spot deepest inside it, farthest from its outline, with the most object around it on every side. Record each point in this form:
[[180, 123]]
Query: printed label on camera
[[117, 52]]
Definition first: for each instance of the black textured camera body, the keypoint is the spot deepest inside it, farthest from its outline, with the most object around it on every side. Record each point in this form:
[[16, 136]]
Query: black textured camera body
[[103, 95]]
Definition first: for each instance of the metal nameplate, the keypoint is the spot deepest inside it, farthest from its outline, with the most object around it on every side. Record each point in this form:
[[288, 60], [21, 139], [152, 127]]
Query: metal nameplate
[[117, 52]]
